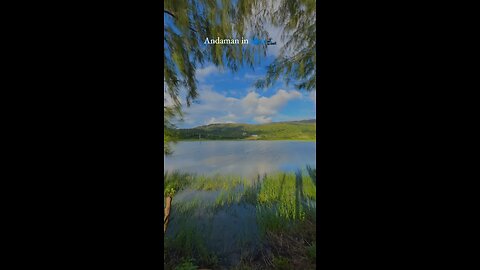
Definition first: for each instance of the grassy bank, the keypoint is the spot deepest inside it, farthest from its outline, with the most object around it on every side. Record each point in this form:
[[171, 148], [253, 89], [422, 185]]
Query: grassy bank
[[227, 140], [230, 222], [295, 130]]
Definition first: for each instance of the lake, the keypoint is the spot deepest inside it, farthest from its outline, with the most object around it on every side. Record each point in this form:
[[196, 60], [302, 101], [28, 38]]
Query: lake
[[231, 222], [244, 158]]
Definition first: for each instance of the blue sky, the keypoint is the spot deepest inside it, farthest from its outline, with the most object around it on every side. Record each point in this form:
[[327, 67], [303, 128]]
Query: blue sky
[[227, 97]]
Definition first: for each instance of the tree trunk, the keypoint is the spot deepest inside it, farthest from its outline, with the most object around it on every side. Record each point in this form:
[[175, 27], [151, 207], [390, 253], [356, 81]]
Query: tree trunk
[[166, 216]]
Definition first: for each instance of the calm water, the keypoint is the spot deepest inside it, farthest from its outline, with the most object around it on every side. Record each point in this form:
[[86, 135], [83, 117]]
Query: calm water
[[246, 158], [230, 231]]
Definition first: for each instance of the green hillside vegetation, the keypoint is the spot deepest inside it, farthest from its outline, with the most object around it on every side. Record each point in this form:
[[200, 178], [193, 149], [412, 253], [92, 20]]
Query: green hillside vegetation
[[294, 130]]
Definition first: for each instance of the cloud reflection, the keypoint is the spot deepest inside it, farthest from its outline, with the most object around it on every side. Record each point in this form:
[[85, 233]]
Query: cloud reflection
[[245, 158]]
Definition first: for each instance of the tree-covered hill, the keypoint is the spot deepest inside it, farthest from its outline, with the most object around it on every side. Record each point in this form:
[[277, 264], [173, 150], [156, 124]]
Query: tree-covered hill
[[294, 130]]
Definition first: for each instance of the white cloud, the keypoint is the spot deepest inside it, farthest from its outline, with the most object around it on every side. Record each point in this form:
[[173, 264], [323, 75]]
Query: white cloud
[[263, 119], [202, 73], [214, 120], [266, 106], [231, 116], [214, 107]]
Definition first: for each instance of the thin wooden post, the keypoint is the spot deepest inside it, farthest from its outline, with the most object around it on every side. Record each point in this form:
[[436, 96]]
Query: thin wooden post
[[166, 216]]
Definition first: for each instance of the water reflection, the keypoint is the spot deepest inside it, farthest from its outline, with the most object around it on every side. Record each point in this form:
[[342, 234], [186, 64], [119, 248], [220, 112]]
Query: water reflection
[[245, 158]]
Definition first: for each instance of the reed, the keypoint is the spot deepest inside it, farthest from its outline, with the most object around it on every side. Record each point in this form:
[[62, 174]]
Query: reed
[[283, 205]]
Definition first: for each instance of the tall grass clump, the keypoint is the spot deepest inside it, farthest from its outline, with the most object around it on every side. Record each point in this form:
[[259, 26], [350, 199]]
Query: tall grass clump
[[188, 207], [309, 186], [188, 242], [176, 181], [283, 205], [283, 200], [216, 182], [278, 191], [250, 193]]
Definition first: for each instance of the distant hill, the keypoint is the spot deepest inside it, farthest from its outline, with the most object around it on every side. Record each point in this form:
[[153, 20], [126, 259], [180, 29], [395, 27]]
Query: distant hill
[[293, 130]]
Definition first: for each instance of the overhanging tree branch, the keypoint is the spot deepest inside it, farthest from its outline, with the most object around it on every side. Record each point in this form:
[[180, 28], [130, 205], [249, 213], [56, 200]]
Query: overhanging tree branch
[[171, 14]]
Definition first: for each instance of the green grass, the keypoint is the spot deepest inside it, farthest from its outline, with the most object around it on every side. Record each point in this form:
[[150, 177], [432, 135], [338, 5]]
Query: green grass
[[216, 182], [188, 247], [176, 181], [282, 201], [312, 252], [295, 130], [186, 265], [284, 208], [281, 263]]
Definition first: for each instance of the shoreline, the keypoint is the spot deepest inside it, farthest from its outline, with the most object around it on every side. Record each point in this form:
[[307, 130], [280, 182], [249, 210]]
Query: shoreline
[[202, 140]]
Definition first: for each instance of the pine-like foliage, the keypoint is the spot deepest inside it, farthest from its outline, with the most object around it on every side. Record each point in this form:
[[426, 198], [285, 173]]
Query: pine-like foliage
[[189, 22], [297, 59], [169, 129]]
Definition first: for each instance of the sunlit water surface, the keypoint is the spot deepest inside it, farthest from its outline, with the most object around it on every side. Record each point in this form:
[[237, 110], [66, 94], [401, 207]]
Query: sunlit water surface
[[243, 158]]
